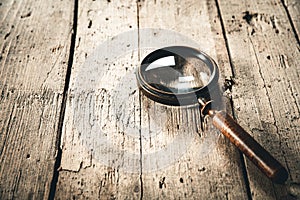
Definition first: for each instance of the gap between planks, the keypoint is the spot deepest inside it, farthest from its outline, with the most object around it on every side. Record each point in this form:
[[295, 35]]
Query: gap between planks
[[63, 105]]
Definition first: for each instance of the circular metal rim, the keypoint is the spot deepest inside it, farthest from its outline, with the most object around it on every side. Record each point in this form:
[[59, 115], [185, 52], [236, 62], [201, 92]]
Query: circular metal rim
[[178, 99]]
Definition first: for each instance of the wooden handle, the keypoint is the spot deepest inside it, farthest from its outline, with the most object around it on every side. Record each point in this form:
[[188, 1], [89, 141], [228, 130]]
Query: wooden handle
[[254, 151]]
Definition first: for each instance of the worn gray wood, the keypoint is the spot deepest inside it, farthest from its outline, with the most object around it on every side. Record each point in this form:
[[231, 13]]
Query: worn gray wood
[[101, 127], [203, 171], [265, 57], [34, 45], [293, 8], [118, 144]]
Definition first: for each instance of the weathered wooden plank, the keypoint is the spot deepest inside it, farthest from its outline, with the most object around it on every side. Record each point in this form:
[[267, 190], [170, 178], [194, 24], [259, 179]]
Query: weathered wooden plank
[[84, 151], [293, 11], [100, 142], [197, 166], [265, 57], [34, 45]]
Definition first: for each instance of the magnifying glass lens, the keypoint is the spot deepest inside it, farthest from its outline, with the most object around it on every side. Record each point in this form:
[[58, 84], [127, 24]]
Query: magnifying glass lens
[[177, 74]]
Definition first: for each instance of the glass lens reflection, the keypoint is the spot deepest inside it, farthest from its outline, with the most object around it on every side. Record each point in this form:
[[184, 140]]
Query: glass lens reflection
[[177, 74]]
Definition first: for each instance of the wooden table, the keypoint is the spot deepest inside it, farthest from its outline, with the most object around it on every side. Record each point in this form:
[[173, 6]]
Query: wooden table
[[74, 125]]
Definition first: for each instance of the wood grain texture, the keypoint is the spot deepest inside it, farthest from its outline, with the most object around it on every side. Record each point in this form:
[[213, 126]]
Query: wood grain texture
[[293, 11], [203, 171], [115, 142], [34, 45], [100, 142], [265, 57], [118, 144]]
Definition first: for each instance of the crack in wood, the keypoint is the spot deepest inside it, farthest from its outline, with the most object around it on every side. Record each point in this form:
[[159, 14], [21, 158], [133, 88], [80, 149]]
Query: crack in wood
[[291, 21], [63, 105], [225, 38], [271, 106], [242, 159], [138, 5], [293, 95]]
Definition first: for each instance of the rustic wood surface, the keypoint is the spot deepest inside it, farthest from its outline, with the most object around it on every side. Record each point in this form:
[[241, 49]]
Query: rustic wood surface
[[74, 125], [266, 71], [35, 43]]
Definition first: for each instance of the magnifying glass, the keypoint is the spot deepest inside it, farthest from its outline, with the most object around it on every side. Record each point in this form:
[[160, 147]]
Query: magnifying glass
[[178, 76]]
